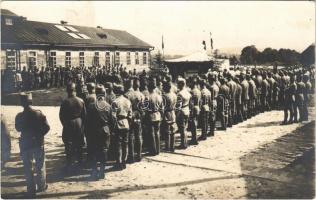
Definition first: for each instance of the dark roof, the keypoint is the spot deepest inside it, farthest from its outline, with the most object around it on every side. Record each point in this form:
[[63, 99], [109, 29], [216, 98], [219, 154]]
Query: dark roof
[[8, 13], [24, 32]]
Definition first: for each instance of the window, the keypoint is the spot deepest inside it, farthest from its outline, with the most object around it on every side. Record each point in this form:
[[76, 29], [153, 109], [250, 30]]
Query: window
[[11, 58], [144, 58], [8, 21], [68, 59], [117, 58], [81, 59], [84, 36], [107, 59], [70, 28], [52, 59], [32, 59], [96, 59], [74, 35], [136, 58], [62, 28], [128, 58]]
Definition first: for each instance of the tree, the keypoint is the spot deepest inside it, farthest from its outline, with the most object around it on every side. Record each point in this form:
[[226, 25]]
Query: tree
[[288, 57], [268, 56], [249, 55], [158, 59], [233, 61]]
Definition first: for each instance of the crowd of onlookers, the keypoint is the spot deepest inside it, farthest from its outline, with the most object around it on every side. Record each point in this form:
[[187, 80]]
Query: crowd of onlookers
[[15, 80]]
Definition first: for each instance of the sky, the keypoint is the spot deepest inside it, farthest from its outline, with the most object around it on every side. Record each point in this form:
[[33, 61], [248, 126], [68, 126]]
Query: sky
[[185, 24]]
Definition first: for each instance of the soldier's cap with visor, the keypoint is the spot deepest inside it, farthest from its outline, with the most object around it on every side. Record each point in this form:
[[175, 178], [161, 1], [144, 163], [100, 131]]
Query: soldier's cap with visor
[[71, 87], [181, 80], [91, 86], [26, 98], [119, 89], [99, 89], [108, 85]]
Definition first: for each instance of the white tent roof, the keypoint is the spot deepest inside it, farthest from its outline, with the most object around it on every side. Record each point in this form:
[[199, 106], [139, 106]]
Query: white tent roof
[[195, 57]]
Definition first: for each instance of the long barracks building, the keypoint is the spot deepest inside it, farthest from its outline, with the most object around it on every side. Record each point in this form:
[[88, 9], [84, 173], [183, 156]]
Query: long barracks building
[[28, 44]]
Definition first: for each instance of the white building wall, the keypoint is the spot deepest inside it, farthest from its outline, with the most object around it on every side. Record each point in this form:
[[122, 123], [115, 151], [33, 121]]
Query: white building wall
[[42, 59]]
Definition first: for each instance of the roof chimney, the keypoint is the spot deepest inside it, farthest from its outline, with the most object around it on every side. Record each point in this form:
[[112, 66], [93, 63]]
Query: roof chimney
[[63, 22]]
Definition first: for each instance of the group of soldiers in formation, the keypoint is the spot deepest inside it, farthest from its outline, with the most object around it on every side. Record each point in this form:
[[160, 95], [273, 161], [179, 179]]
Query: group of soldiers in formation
[[125, 114], [48, 77]]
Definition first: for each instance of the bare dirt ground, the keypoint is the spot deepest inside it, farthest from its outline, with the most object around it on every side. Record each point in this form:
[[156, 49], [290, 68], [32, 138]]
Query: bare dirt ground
[[255, 159]]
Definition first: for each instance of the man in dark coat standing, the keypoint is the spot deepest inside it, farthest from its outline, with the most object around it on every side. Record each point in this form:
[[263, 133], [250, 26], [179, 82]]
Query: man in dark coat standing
[[99, 123], [72, 115], [33, 127]]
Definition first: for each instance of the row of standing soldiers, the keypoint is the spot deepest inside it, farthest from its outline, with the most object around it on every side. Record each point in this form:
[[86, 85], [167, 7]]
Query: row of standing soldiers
[[125, 118], [135, 113], [48, 77]]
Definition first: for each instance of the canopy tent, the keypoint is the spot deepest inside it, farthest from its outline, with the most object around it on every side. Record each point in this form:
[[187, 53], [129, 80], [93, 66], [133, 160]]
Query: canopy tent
[[195, 57], [196, 63]]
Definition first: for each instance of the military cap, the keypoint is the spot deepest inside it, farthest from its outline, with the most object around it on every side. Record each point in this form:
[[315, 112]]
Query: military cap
[[181, 80], [119, 89], [108, 85], [100, 89], [25, 97], [91, 86], [71, 87]]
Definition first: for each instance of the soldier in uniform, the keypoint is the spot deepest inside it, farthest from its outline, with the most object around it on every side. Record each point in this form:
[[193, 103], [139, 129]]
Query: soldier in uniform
[[194, 110], [214, 90], [72, 115], [290, 93], [265, 93], [299, 98], [57, 77], [258, 80], [81, 90], [252, 96], [99, 120], [121, 114], [245, 94], [169, 116], [109, 96], [232, 88], [183, 111], [153, 116], [223, 103], [174, 88], [205, 109], [24, 75], [135, 136], [271, 93], [89, 104], [33, 127], [239, 116], [307, 96]]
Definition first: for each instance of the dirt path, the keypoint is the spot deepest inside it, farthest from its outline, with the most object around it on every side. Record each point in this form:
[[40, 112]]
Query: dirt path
[[255, 159]]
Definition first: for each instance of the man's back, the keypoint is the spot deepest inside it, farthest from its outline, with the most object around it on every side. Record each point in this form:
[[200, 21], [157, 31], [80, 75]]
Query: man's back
[[71, 108], [33, 126]]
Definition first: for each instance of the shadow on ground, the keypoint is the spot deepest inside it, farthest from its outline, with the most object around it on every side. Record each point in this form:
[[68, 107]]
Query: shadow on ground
[[284, 168]]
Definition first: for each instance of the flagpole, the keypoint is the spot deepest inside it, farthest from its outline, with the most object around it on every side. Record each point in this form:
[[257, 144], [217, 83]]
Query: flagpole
[[163, 51]]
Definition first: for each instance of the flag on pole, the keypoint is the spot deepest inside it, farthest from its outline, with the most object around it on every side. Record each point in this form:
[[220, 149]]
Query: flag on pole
[[162, 44], [211, 40]]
